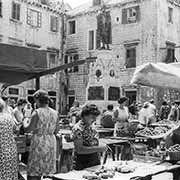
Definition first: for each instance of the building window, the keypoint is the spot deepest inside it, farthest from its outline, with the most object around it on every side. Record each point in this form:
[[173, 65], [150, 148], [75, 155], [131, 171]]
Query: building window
[[16, 11], [72, 27], [113, 93], [170, 57], [69, 59], [131, 15], [96, 93], [170, 15], [52, 58], [96, 2], [34, 18], [130, 57], [0, 8], [54, 24], [13, 91], [91, 45]]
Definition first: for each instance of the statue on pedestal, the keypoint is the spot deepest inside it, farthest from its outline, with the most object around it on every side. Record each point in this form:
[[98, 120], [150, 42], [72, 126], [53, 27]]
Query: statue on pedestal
[[104, 37]]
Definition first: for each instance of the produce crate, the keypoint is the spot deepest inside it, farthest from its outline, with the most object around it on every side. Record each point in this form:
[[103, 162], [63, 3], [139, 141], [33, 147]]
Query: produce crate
[[21, 144]]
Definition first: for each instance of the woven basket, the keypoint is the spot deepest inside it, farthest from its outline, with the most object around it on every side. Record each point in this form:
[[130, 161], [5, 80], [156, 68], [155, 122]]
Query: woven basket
[[174, 156]]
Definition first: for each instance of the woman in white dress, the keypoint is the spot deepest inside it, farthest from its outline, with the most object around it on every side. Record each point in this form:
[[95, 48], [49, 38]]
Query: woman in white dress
[[121, 115]]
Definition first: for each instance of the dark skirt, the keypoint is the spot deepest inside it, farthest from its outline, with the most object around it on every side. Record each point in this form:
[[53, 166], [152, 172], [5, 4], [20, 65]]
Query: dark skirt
[[83, 161]]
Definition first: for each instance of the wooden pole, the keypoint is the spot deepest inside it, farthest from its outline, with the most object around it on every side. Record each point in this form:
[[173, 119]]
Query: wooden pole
[[37, 83]]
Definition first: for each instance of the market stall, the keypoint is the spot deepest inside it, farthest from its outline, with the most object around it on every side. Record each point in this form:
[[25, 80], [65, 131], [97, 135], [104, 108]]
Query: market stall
[[157, 158]]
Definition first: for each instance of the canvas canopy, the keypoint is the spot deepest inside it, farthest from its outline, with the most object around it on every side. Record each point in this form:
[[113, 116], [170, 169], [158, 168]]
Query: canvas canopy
[[158, 75], [19, 64]]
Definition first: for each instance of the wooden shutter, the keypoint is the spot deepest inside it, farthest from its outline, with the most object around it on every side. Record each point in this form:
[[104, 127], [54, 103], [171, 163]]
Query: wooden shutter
[[18, 11], [52, 23], [28, 16], [91, 40], [0, 8], [138, 16], [98, 39], [39, 18], [13, 10], [124, 16]]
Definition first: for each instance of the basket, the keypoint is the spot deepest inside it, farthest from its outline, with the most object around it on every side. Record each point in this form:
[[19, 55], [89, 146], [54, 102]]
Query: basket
[[174, 156]]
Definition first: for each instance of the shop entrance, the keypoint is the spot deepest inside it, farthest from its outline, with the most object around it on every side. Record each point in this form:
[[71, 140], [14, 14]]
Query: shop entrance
[[131, 95]]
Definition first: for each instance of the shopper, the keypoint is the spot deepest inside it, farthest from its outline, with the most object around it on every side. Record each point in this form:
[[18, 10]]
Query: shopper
[[164, 111], [44, 127], [8, 149], [19, 114], [144, 115], [87, 147], [107, 117], [174, 113], [75, 112], [133, 110], [121, 115], [153, 111], [18, 110]]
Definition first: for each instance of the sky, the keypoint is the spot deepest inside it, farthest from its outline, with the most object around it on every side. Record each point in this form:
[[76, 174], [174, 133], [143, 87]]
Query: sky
[[75, 3]]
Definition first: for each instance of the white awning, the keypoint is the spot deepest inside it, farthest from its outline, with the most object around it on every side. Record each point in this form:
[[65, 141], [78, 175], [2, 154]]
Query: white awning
[[158, 75]]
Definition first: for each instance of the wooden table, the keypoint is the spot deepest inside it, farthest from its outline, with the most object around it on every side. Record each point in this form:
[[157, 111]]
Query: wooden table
[[144, 171]]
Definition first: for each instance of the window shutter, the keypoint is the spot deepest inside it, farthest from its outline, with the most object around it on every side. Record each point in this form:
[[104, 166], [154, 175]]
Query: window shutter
[[138, 16], [0, 8], [18, 11], [13, 10], [124, 16], [52, 23], [39, 19], [57, 24], [98, 39], [28, 16], [91, 40]]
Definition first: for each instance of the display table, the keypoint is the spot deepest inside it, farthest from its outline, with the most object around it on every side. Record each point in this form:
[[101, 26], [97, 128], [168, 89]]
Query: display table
[[142, 171]]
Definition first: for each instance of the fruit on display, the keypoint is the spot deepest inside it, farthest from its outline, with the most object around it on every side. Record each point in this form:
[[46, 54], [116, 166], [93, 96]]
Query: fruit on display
[[166, 122], [125, 169], [148, 131], [175, 148], [91, 176], [108, 173], [105, 173]]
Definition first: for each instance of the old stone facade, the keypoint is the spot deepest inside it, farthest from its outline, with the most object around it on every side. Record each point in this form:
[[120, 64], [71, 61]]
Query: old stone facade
[[35, 24], [142, 31]]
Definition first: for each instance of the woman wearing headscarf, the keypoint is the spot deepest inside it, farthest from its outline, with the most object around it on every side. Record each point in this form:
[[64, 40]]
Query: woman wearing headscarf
[[44, 127], [8, 149], [87, 147]]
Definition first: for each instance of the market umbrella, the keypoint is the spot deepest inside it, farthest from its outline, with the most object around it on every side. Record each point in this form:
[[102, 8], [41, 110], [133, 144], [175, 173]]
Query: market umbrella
[[158, 75]]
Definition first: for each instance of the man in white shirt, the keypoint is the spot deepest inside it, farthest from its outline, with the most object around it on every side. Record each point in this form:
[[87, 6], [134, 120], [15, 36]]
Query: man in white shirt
[[152, 111]]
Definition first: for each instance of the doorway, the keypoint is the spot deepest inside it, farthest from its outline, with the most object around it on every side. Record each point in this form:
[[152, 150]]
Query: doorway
[[131, 95], [70, 101]]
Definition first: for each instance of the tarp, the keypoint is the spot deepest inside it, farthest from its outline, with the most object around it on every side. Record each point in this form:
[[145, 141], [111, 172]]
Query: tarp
[[158, 75], [18, 64]]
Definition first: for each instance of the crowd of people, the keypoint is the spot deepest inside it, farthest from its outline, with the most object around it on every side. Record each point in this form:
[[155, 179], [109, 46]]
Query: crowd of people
[[41, 122], [146, 113]]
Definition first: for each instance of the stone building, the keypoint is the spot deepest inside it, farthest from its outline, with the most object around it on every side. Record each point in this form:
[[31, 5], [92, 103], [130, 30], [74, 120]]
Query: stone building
[[120, 34], [35, 24]]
